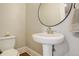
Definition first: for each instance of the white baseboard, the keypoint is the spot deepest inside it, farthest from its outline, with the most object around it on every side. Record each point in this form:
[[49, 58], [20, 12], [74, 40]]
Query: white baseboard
[[29, 51]]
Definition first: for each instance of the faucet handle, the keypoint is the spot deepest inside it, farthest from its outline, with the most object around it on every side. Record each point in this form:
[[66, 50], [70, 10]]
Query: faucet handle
[[49, 30]]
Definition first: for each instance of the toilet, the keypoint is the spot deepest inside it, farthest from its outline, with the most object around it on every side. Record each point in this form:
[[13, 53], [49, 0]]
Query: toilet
[[7, 46]]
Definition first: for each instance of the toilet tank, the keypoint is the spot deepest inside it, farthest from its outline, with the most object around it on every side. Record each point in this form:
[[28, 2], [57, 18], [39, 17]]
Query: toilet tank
[[7, 42]]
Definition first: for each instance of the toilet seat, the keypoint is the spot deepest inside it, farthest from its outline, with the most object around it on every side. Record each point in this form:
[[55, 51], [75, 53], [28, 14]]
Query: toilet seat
[[10, 52]]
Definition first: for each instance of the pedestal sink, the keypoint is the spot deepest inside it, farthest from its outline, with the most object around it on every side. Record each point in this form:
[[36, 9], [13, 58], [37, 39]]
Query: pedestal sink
[[47, 41]]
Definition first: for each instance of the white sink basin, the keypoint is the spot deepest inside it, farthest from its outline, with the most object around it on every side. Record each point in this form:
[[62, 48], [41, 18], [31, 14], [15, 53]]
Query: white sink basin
[[45, 38], [47, 41]]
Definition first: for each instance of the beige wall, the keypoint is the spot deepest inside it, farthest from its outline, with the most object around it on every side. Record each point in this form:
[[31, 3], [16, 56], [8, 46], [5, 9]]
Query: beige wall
[[33, 26], [13, 20], [20, 20]]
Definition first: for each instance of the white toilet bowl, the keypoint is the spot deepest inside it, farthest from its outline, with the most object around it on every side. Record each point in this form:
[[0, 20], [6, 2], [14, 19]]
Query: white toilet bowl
[[10, 52], [7, 44]]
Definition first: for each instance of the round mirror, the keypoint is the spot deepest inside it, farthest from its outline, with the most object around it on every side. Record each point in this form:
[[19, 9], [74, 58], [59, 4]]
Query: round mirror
[[52, 14]]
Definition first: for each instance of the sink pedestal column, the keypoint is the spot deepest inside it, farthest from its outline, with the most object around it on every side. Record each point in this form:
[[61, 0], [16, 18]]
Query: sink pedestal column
[[47, 50], [48, 41]]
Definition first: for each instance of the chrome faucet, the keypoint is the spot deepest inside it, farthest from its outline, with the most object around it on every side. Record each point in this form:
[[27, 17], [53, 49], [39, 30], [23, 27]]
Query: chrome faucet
[[49, 30]]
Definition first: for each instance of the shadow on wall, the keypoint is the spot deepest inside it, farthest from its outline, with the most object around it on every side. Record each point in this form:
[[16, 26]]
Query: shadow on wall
[[62, 49], [76, 34]]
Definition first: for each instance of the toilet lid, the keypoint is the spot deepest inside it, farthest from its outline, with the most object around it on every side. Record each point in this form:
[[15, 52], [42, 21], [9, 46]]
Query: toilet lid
[[10, 52]]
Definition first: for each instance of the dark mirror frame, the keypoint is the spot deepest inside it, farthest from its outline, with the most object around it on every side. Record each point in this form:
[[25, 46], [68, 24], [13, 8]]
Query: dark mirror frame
[[70, 8]]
